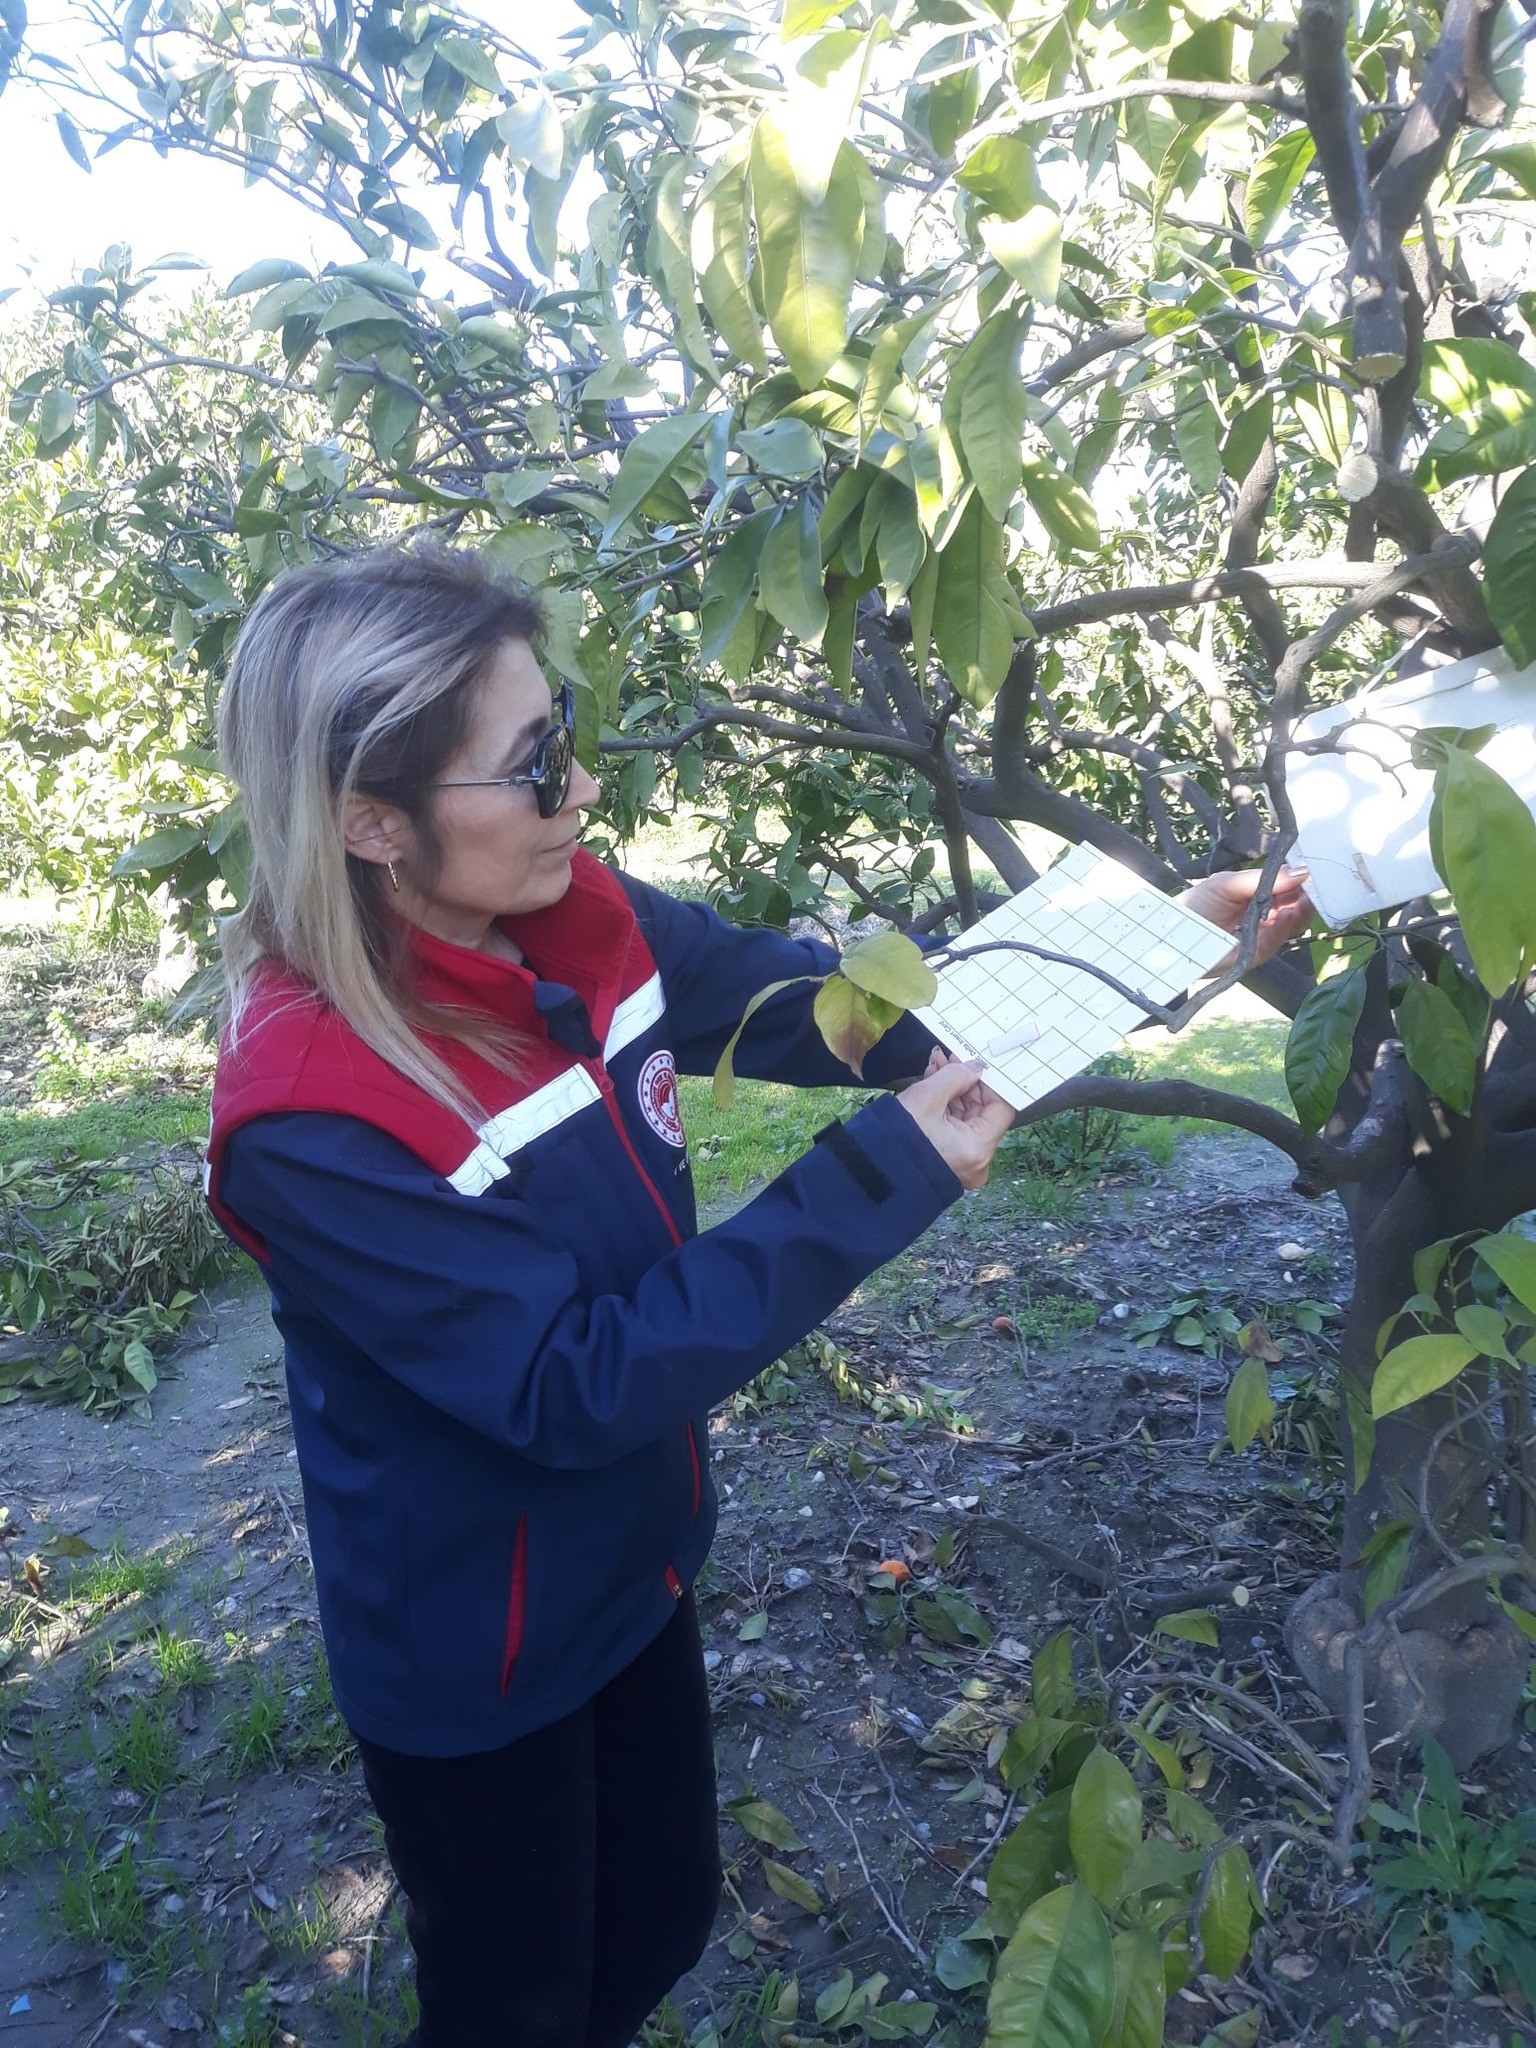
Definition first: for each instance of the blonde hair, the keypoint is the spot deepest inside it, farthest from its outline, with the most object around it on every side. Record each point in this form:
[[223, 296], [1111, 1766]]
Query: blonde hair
[[357, 675]]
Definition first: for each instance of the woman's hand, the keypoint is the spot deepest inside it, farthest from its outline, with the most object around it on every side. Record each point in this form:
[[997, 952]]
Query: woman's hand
[[959, 1115], [1224, 899]]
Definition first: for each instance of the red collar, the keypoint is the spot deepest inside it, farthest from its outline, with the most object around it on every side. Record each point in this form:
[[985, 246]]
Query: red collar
[[582, 941]]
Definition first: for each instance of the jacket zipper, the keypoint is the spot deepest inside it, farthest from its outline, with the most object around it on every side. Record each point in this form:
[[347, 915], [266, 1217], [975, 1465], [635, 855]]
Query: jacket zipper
[[698, 1477], [601, 1077], [605, 1085], [517, 1604]]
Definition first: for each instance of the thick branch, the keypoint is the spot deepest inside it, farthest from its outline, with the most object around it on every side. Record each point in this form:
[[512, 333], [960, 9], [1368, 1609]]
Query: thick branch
[[1332, 113], [1320, 1166], [1328, 572]]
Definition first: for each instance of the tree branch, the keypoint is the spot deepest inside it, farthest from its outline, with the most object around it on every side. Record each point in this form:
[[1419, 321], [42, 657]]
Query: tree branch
[[1328, 572]]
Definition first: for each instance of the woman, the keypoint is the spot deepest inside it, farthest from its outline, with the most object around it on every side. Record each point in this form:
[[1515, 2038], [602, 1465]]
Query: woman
[[445, 1123]]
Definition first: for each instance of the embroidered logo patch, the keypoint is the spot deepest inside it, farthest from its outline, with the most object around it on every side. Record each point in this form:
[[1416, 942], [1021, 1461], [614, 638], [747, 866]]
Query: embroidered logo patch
[[658, 1098]]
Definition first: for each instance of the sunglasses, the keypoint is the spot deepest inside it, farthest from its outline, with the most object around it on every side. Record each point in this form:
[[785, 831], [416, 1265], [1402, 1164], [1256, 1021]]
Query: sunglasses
[[547, 771]]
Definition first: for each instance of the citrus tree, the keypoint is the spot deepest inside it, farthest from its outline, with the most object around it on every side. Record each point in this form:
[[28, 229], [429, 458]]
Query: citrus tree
[[926, 418]]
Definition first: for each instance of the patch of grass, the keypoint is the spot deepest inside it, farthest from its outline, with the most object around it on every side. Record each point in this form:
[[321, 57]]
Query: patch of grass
[[255, 2022], [114, 1577], [252, 1735], [766, 1127], [143, 1752], [101, 1900], [318, 1734], [180, 1661], [387, 2016], [1242, 1049], [306, 1927], [142, 1119], [1051, 1318]]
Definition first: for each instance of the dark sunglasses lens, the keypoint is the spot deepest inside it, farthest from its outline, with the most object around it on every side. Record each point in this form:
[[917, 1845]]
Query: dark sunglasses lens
[[555, 783]]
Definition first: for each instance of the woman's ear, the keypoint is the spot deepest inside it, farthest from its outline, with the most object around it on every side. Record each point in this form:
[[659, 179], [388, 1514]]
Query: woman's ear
[[373, 830]]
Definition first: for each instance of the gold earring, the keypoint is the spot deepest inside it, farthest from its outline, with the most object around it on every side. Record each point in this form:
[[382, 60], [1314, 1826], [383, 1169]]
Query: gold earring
[[394, 879]]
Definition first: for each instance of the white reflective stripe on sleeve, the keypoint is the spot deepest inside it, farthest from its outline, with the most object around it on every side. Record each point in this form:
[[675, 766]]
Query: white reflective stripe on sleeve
[[519, 1125], [478, 1171], [637, 1013]]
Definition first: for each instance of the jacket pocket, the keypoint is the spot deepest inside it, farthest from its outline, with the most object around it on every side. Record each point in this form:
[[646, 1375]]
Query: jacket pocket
[[517, 1604], [697, 1472]]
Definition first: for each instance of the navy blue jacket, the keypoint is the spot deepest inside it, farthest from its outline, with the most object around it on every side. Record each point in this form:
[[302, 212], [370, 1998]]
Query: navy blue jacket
[[502, 1346]]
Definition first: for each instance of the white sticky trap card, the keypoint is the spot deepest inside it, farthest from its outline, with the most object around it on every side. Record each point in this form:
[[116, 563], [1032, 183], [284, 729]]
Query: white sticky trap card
[[1038, 1022], [1362, 807]]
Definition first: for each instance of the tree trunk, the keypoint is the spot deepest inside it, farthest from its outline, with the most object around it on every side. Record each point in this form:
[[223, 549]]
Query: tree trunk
[[1458, 1671]]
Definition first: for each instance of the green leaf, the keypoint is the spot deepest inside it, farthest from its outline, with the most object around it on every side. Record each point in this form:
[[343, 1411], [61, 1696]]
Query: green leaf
[[957, 1963], [56, 417], [139, 1364], [804, 17], [531, 130], [1490, 390], [728, 582], [1514, 1260], [1064, 508], [976, 619], [808, 250], [471, 60], [1001, 172], [1028, 248], [211, 590], [1317, 1052], [260, 277], [789, 572], [1051, 1688], [1484, 841], [1226, 1920], [1191, 1625], [71, 138], [724, 1084], [1055, 1981], [669, 259], [1104, 1823], [1522, 1617], [1140, 1995], [1509, 569], [834, 1998], [1029, 1749], [765, 1823], [648, 459], [490, 332], [891, 965], [161, 849], [1251, 427], [1439, 1047], [1032, 1858], [789, 1884], [754, 1628], [722, 259], [1250, 1406], [923, 596], [883, 372], [1273, 181], [1197, 432], [1415, 1368], [1386, 1556], [899, 540], [851, 1021], [784, 447], [986, 395]]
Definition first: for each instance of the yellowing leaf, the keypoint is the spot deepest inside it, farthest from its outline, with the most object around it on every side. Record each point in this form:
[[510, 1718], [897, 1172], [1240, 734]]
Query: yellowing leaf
[[789, 1884], [1418, 1367], [891, 965], [851, 1020]]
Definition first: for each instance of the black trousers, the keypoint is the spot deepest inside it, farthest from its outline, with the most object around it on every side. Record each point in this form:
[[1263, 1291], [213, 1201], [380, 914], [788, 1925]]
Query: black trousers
[[556, 1889]]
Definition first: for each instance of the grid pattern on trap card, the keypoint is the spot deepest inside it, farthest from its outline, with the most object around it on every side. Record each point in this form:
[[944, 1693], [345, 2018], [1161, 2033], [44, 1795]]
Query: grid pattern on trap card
[[1036, 1022]]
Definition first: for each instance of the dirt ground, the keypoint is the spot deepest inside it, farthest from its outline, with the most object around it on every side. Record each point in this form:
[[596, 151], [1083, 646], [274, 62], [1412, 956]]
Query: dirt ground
[[1057, 1440]]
